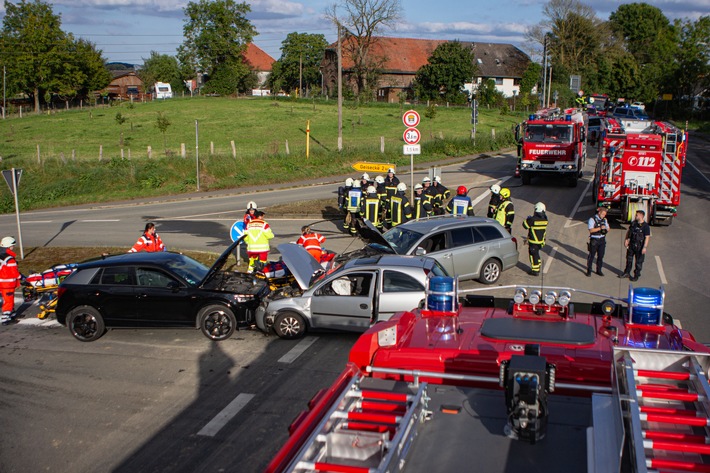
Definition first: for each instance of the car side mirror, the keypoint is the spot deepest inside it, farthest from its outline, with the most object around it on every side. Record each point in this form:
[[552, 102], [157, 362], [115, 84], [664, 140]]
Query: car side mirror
[[174, 286], [420, 251]]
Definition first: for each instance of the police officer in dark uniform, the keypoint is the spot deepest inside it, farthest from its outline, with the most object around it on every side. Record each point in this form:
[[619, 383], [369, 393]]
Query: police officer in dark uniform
[[598, 228], [637, 238], [536, 225]]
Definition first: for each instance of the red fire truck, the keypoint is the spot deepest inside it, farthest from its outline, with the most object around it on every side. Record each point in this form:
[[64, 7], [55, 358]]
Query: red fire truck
[[552, 143], [640, 168]]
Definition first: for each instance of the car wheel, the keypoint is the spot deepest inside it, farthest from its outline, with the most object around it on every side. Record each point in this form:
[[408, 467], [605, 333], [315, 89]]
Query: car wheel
[[289, 325], [217, 322], [86, 324], [490, 271]]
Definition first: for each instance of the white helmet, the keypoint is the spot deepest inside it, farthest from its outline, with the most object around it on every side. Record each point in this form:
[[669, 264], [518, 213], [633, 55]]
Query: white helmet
[[390, 170], [251, 205], [380, 180], [437, 179], [418, 187], [540, 207], [371, 190], [401, 187], [356, 184], [425, 180], [349, 182], [495, 188], [7, 242], [365, 177]]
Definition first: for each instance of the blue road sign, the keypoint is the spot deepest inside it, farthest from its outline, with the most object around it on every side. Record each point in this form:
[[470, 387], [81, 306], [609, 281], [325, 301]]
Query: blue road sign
[[237, 230]]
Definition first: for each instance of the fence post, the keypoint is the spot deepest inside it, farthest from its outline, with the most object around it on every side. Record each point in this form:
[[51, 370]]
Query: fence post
[[39, 159], [121, 154], [129, 154], [150, 151], [101, 152], [182, 150], [211, 148], [382, 144], [73, 155], [287, 150], [234, 150], [493, 133]]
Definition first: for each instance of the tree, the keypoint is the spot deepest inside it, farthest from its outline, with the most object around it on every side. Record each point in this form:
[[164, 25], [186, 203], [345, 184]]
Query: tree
[[530, 78], [449, 67], [161, 68], [488, 95], [216, 36], [363, 21], [693, 71], [301, 55]]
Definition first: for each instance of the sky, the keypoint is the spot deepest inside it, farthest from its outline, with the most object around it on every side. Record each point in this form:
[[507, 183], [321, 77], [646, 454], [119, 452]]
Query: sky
[[128, 30]]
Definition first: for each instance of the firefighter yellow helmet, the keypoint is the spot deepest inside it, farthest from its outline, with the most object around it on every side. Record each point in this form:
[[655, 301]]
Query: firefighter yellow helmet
[[505, 193]]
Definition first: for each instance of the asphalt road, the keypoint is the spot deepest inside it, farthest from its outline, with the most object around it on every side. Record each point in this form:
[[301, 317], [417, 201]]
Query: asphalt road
[[171, 401]]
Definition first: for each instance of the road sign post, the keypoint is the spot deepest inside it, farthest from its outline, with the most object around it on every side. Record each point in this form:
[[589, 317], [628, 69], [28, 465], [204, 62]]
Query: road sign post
[[411, 137], [12, 177], [235, 233]]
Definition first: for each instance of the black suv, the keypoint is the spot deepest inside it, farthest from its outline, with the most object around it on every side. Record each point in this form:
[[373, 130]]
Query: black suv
[[163, 289]]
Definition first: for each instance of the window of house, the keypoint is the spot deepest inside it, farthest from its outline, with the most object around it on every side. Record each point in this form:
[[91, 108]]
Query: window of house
[[499, 81]]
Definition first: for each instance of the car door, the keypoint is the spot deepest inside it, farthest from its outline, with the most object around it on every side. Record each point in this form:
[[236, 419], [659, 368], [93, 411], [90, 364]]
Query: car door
[[399, 292], [468, 252], [161, 301], [345, 302], [113, 293], [436, 246]]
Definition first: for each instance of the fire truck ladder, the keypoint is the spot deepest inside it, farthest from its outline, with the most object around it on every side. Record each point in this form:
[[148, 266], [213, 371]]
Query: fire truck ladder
[[366, 431], [664, 402], [613, 154], [670, 148]]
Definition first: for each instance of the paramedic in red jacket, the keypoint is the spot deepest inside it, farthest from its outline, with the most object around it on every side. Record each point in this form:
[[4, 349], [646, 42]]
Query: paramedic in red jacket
[[149, 241], [312, 242], [9, 277]]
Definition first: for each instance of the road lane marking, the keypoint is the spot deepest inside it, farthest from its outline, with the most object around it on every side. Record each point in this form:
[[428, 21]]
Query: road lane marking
[[298, 350], [660, 270], [100, 220], [36, 221], [584, 208], [569, 223], [549, 260], [698, 171], [227, 414], [488, 192]]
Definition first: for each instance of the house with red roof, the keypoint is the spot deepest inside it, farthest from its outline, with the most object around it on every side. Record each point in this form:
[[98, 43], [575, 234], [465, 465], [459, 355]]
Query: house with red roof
[[399, 59], [260, 62]]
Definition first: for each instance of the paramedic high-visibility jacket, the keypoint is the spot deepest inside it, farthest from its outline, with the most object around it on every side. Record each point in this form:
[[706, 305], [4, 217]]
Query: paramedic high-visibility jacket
[[312, 243], [371, 209], [148, 242], [505, 213], [400, 209], [257, 235], [9, 279], [536, 225], [460, 205]]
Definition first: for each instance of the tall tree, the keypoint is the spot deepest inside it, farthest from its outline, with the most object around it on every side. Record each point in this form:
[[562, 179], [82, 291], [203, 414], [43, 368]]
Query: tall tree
[[693, 71], [449, 67], [301, 55], [161, 68], [363, 21], [216, 35]]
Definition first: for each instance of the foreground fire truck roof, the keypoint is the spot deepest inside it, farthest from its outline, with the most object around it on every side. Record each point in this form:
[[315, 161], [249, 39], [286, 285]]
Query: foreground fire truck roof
[[500, 385]]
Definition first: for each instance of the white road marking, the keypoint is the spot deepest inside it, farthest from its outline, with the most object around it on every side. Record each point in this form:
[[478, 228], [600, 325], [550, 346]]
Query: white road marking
[[221, 419], [698, 171], [549, 260], [661, 273], [569, 223], [101, 220], [37, 221], [584, 208], [488, 192], [298, 350]]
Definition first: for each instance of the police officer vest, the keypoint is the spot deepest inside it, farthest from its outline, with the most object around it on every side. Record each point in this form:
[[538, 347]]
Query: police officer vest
[[636, 236]]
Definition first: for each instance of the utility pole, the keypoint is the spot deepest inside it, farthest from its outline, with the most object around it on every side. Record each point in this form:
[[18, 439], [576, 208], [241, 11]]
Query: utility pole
[[544, 73], [3, 92], [300, 75], [340, 92]]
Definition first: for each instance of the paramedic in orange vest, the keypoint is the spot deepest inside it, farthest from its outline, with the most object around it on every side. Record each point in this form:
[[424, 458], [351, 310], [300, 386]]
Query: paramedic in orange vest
[[257, 235], [250, 214], [9, 278], [312, 242], [149, 241]]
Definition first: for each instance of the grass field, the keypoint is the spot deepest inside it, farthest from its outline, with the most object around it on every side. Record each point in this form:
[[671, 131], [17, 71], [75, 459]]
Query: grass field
[[68, 170]]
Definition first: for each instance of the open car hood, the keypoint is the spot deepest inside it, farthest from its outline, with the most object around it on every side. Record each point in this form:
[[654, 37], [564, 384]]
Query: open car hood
[[300, 262], [370, 234], [221, 261]]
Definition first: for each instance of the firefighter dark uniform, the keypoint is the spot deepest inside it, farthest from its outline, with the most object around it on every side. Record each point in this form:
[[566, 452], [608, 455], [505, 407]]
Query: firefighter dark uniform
[[421, 208], [353, 208], [440, 195], [505, 212], [494, 202], [636, 242], [536, 225], [598, 228], [391, 183], [342, 194], [370, 207], [461, 204], [400, 208]]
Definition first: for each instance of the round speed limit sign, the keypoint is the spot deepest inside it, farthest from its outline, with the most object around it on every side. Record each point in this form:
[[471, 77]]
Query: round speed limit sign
[[410, 118], [411, 136]]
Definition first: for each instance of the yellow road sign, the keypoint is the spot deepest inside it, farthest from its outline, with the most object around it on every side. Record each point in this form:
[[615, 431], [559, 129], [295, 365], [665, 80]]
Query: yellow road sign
[[372, 167], [667, 97]]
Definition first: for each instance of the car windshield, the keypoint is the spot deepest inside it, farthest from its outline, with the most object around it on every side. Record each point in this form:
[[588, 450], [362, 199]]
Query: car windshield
[[595, 122], [402, 239], [548, 133], [187, 268]]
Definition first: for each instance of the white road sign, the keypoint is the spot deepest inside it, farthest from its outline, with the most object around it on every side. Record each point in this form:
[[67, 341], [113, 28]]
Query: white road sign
[[411, 136], [410, 118], [412, 149]]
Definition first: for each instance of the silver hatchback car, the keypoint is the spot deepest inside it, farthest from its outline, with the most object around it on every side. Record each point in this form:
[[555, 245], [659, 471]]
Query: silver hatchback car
[[357, 294], [467, 247]]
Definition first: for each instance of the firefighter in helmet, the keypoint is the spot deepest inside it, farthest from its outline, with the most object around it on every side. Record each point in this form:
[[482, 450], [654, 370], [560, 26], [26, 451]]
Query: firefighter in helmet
[[461, 203], [505, 213], [370, 207], [365, 181], [343, 193], [250, 213], [428, 191], [440, 195], [536, 225], [494, 202], [353, 207], [257, 235], [400, 208], [391, 182], [421, 207]]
